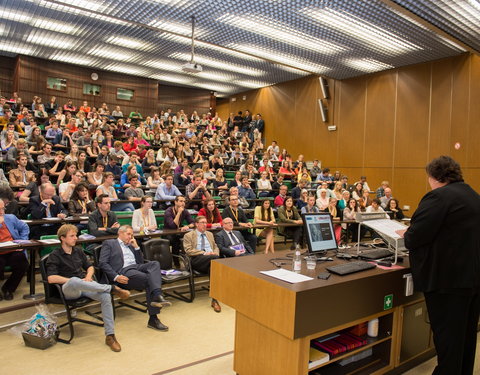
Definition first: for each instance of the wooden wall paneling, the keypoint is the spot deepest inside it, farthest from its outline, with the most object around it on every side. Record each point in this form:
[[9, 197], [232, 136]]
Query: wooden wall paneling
[[283, 113], [409, 186], [186, 98], [380, 117], [350, 112], [412, 116], [33, 73], [440, 108], [472, 144], [305, 129], [472, 177], [7, 68], [460, 107]]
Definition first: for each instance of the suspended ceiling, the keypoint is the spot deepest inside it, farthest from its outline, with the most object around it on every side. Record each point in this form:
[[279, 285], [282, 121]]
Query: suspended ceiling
[[240, 44]]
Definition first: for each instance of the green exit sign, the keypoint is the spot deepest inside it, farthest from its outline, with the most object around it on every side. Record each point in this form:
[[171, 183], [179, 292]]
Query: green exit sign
[[388, 302]]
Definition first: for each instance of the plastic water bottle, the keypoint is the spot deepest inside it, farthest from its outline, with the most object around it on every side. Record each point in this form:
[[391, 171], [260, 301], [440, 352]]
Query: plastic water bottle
[[297, 261]]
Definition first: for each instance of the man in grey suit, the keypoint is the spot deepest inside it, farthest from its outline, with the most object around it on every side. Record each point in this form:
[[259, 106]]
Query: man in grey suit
[[122, 263], [231, 242]]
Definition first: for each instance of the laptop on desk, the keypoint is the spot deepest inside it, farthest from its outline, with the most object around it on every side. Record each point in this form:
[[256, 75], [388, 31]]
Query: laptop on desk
[[320, 234]]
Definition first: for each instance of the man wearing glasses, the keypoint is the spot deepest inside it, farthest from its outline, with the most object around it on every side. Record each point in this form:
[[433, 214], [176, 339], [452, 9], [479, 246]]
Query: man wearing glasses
[[200, 246]]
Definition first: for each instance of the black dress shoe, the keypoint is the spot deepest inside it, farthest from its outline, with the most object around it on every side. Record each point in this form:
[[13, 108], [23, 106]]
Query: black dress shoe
[[8, 296], [160, 301], [155, 323]]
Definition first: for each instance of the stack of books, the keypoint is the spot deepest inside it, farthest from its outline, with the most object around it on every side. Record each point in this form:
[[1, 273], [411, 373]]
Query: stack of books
[[338, 343]]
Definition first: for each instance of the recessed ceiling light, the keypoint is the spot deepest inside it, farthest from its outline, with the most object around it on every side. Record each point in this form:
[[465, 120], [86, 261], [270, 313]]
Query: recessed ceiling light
[[15, 48], [12, 15], [49, 24], [49, 39], [163, 65], [252, 84], [169, 78], [214, 87], [209, 47], [127, 42], [175, 27], [86, 4], [71, 59], [372, 35], [214, 76], [278, 57], [218, 64], [84, 12], [125, 69], [282, 32], [367, 65], [111, 53]]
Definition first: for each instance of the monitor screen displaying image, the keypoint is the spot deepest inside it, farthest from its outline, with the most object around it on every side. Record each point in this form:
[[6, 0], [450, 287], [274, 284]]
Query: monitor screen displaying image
[[319, 232]]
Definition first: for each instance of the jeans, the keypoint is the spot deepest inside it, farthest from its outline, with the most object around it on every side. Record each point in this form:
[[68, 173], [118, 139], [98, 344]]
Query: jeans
[[123, 206], [76, 288]]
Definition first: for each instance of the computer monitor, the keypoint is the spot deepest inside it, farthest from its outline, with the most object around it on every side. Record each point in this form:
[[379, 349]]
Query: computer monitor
[[319, 232]]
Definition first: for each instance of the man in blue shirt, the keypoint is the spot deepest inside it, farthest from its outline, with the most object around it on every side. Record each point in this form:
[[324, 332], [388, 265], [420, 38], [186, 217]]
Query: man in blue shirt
[[245, 191], [167, 192]]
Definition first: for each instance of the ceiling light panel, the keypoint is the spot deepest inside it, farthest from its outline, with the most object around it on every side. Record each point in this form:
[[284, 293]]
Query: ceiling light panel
[[367, 65], [275, 56], [170, 78], [71, 59], [373, 36], [208, 47], [128, 42], [281, 32], [50, 40], [111, 53], [249, 43], [61, 27]]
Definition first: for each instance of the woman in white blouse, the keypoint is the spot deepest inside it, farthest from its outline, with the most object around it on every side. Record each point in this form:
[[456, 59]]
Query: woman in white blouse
[[264, 186], [143, 219]]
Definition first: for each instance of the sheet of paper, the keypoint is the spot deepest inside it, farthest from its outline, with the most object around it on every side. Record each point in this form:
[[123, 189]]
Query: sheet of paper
[[7, 243], [386, 226], [288, 276], [51, 241]]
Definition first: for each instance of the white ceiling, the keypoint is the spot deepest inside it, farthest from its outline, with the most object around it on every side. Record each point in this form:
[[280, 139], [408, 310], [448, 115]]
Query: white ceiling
[[240, 44]]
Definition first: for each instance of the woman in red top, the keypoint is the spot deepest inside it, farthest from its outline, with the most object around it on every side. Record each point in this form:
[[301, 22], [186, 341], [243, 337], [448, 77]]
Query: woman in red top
[[129, 145], [212, 213], [286, 169]]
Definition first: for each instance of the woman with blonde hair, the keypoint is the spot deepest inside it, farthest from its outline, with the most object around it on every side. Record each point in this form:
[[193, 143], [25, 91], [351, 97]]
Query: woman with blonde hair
[[264, 216]]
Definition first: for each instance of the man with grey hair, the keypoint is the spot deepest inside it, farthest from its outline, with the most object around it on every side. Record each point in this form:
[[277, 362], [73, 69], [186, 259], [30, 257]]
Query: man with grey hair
[[122, 262], [47, 205]]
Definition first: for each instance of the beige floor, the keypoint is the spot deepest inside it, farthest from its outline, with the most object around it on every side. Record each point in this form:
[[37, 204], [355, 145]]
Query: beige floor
[[199, 341]]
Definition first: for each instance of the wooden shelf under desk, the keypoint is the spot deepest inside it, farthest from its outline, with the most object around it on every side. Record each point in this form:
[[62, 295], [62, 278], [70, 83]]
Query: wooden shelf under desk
[[275, 320]]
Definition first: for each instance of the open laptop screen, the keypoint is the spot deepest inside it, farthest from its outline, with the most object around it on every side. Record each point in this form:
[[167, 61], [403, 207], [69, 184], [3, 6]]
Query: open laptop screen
[[319, 232]]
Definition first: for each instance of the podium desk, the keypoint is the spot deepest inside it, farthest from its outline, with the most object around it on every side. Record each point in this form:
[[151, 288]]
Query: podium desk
[[276, 320]]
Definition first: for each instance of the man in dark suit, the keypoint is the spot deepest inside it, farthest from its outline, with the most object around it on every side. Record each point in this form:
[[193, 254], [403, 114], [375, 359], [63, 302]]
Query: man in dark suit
[[445, 261], [122, 263], [46, 205], [230, 241], [234, 212]]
